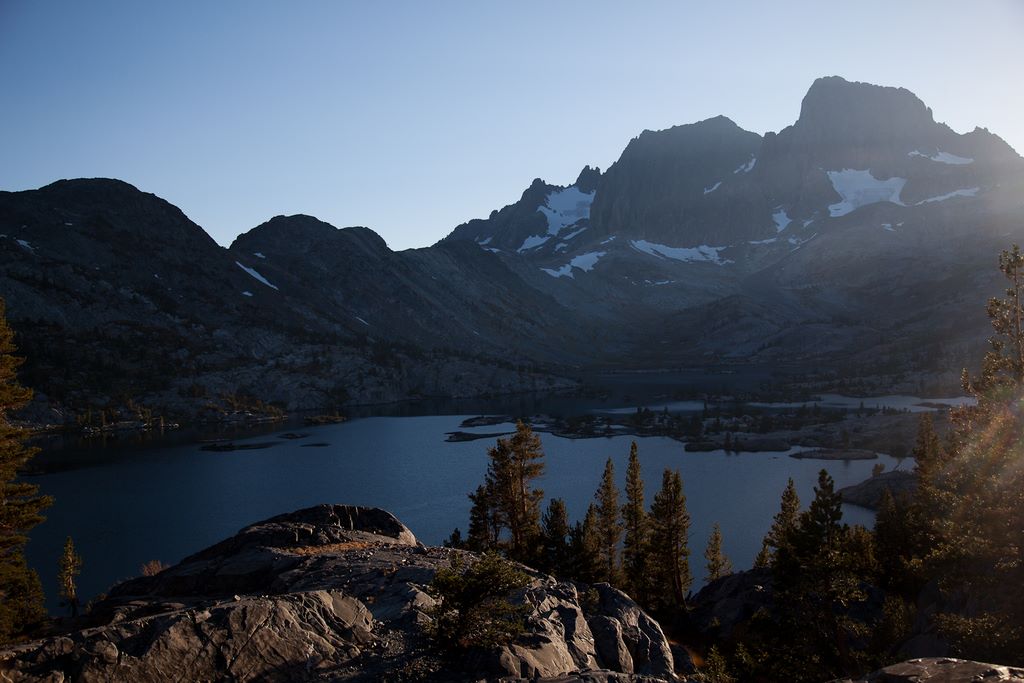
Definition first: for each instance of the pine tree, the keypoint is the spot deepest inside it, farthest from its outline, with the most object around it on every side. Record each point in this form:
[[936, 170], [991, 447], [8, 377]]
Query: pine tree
[[971, 500], [555, 532], [21, 594], [718, 565], [670, 551], [782, 524], [70, 568], [510, 501], [819, 571], [585, 549], [609, 528], [484, 522], [636, 544]]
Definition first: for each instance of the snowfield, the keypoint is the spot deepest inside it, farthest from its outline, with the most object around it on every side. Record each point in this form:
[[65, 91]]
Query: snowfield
[[584, 262], [709, 190], [532, 242], [943, 158], [565, 207], [747, 167], [685, 254], [860, 188], [781, 220]]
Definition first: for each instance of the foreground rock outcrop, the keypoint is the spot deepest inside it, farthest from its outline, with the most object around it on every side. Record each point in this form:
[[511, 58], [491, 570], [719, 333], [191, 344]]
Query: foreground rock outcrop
[[332, 592], [942, 670]]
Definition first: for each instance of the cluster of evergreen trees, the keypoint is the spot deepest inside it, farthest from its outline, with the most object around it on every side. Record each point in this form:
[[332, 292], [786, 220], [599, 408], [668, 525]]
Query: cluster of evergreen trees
[[21, 506], [960, 536], [653, 565], [944, 563]]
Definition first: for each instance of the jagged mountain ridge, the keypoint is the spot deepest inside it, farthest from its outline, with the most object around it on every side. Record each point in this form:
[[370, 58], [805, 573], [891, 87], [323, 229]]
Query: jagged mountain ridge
[[799, 235], [864, 235]]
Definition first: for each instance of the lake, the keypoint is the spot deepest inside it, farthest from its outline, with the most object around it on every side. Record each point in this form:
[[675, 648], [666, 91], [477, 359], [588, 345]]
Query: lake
[[125, 506]]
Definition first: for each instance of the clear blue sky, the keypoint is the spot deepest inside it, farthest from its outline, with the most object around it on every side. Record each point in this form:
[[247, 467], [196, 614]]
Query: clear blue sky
[[412, 117]]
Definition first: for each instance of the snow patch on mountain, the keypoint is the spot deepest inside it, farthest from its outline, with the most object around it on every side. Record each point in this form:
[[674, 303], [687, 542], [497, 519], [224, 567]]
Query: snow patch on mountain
[[247, 293], [484, 243], [781, 220], [565, 207], [361, 320], [860, 188], [256, 275], [26, 246], [966, 192], [685, 254], [532, 242], [584, 262], [943, 158], [747, 167], [709, 190], [258, 254], [609, 240], [572, 234]]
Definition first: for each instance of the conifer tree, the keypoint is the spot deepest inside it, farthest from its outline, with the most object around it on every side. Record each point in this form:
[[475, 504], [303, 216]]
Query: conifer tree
[[508, 499], [585, 549], [484, 521], [971, 501], [609, 528], [21, 594], [718, 565], [782, 524], [819, 570], [555, 533], [70, 568], [636, 544], [670, 551]]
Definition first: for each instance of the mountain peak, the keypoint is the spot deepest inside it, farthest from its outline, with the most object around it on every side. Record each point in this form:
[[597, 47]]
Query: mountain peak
[[588, 179], [305, 231], [836, 102]]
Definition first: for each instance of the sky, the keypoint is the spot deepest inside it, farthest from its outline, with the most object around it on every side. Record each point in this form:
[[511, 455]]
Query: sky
[[413, 117]]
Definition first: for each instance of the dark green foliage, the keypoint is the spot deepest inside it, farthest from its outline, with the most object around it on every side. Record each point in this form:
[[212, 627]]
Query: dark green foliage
[[21, 596], [609, 528], [715, 669], [507, 500], [718, 565], [474, 610], [454, 540], [970, 497], [484, 522], [782, 525], [636, 543], [70, 568], [585, 549], [819, 570], [670, 551], [555, 558]]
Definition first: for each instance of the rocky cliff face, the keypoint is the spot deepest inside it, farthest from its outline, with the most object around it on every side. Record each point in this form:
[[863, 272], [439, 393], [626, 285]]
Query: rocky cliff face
[[337, 593]]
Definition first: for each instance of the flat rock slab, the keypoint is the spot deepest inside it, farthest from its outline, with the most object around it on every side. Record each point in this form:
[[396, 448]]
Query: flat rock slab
[[942, 670]]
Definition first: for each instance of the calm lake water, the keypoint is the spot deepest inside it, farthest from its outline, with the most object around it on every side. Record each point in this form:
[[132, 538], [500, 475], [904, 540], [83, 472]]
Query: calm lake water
[[125, 506]]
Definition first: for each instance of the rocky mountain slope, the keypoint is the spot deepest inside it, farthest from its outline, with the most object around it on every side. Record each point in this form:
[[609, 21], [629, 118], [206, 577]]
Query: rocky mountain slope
[[334, 593], [852, 235], [116, 296], [863, 239]]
